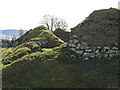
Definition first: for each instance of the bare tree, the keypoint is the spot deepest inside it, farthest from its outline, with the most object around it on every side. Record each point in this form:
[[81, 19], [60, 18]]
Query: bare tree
[[52, 22], [46, 21], [61, 23], [20, 32], [56, 23]]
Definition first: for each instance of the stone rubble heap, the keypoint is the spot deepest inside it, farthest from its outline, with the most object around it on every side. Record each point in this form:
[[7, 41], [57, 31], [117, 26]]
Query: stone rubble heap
[[97, 36], [82, 49]]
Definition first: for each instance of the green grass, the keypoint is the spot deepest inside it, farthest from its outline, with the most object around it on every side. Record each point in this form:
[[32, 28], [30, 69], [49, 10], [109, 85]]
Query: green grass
[[11, 54], [55, 74], [48, 54], [5, 52], [17, 54], [55, 69], [40, 33]]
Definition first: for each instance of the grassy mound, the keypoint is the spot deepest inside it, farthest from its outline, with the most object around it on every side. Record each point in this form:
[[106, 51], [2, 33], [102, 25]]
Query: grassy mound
[[32, 41], [12, 54], [41, 35]]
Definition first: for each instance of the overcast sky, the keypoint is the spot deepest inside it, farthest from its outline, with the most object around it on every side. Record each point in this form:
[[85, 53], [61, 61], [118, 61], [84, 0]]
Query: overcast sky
[[26, 14]]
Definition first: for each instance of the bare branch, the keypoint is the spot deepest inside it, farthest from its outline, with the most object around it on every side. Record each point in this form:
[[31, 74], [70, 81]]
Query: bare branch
[[52, 22]]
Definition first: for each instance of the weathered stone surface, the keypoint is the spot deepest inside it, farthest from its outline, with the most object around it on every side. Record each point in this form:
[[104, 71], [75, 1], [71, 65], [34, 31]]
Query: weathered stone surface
[[73, 56], [97, 35], [79, 52], [100, 28]]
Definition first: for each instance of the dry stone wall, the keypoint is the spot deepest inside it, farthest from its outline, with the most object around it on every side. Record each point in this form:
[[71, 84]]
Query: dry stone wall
[[97, 35], [82, 49]]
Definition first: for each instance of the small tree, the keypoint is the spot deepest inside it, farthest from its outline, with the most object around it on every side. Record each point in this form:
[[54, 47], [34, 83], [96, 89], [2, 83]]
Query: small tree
[[52, 22], [61, 23], [46, 21]]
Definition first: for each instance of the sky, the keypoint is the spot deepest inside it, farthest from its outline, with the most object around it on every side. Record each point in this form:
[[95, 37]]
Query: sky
[[27, 14]]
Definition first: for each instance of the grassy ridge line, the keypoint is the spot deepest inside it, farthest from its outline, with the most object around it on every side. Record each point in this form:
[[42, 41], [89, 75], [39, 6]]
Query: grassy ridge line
[[47, 34], [12, 54], [48, 54], [40, 33]]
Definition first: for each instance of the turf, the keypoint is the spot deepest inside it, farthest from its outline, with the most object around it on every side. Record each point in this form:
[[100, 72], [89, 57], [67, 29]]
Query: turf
[[55, 69]]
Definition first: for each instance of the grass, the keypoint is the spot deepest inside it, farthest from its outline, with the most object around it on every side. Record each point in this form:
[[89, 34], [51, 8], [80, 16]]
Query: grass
[[48, 54], [55, 69], [11, 54], [41, 33]]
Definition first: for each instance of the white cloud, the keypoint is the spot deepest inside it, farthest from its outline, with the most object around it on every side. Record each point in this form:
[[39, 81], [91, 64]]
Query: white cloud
[[26, 14]]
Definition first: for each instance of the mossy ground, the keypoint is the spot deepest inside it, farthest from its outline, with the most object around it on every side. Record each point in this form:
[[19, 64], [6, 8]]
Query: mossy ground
[[55, 69], [11, 54], [41, 33]]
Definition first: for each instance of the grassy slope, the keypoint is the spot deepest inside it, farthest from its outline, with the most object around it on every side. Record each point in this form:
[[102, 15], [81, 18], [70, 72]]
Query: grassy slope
[[40, 33], [27, 41], [12, 54], [54, 68], [62, 34], [51, 69]]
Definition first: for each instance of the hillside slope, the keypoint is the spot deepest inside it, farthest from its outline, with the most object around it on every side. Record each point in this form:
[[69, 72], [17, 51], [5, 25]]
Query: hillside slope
[[42, 60], [41, 36], [12, 54], [32, 41], [100, 28], [62, 34], [55, 69]]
